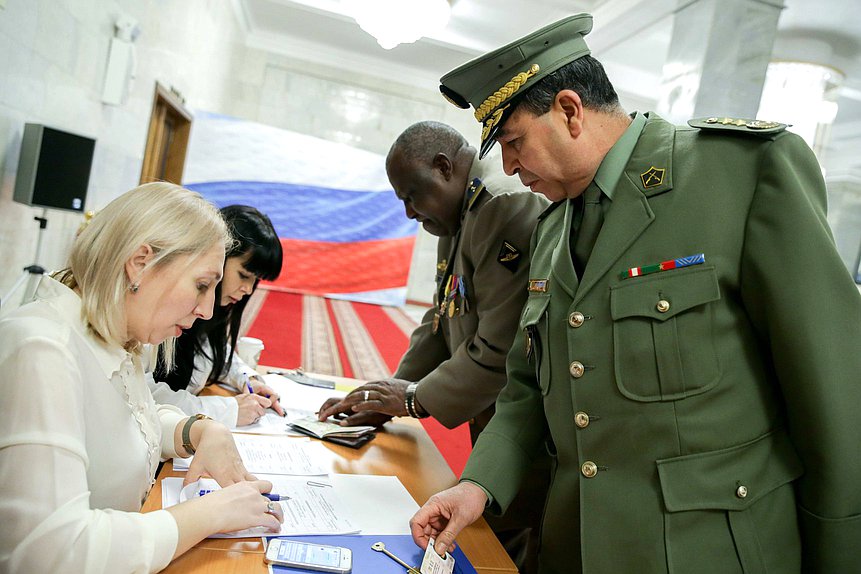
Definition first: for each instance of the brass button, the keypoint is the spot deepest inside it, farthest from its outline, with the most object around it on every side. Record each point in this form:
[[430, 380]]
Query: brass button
[[581, 419], [576, 319], [576, 369], [589, 469], [741, 491], [663, 306]]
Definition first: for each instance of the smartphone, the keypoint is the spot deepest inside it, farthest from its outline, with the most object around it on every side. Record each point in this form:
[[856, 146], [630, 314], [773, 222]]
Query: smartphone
[[317, 557]]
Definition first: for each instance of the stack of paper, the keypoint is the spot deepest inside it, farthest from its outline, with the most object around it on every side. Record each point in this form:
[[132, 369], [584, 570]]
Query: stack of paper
[[309, 506], [275, 455], [338, 504]]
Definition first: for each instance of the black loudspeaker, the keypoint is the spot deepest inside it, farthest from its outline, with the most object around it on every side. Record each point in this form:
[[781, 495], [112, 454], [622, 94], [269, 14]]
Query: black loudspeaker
[[54, 168]]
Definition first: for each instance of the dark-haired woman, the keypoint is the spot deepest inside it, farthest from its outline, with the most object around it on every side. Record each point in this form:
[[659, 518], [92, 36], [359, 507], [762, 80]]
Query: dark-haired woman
[[205, 352]]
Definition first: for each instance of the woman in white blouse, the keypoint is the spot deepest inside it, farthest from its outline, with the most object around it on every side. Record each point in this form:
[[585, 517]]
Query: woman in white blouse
[[80, 435]]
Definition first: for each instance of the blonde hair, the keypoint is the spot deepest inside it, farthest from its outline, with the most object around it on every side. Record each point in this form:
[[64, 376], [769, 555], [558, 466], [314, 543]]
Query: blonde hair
[[172, 220]]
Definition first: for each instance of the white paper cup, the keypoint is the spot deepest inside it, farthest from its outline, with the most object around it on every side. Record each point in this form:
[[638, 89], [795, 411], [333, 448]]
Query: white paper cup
[[249, 349]]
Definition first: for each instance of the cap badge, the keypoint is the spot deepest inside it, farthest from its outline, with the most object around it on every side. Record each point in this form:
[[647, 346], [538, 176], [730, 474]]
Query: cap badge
[[652, 177], [503, 93]]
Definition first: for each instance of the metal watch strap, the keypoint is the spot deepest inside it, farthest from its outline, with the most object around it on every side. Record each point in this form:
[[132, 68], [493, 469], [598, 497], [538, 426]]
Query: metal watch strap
[[410, 402], [186, 433]]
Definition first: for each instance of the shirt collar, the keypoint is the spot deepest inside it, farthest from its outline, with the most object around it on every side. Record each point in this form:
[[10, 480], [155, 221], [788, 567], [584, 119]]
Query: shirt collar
[[68, 305], [613, 165]]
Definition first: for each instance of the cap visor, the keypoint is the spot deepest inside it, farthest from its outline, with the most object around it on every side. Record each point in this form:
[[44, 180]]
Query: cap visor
[[490, 138]]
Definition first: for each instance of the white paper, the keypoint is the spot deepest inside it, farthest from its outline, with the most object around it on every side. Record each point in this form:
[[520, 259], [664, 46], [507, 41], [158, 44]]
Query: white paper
[[378, 505], [298, 397], [263, 454], [299, 401], [314, 507]]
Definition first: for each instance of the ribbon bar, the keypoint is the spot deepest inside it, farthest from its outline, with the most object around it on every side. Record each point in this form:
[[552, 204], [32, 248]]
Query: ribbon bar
[[664, 266]]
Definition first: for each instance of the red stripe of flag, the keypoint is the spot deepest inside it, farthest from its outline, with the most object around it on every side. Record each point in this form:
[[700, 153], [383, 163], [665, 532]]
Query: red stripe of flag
[[319, 267]]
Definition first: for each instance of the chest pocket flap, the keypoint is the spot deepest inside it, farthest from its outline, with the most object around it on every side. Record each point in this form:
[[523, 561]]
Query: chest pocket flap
[[680, 290], [663, 338]]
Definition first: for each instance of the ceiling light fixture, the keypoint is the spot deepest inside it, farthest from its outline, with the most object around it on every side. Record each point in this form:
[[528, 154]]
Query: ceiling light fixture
[[394, 22]]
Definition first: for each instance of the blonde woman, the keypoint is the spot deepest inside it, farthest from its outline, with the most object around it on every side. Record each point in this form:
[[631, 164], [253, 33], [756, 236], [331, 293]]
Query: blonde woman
[[80, 435]]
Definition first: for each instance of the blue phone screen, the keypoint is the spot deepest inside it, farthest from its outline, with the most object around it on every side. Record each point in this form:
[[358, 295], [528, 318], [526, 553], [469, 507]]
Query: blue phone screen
[[300, 552]]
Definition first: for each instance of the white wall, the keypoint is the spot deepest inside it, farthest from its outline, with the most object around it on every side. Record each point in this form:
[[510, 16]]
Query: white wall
[[54, 54]]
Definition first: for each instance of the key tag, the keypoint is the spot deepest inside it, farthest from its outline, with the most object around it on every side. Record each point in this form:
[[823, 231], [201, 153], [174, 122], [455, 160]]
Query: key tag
[[433, 563]]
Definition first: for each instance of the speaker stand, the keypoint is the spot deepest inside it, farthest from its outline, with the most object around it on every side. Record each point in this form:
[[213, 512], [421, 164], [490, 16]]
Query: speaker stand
[[32, 272]]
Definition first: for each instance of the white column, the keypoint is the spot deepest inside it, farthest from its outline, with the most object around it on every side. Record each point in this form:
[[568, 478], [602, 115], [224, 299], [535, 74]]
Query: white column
[[718, 58]]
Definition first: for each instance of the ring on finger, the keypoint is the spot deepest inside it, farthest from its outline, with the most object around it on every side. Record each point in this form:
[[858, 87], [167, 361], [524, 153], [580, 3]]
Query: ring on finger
[[367, 395], [270, 507]]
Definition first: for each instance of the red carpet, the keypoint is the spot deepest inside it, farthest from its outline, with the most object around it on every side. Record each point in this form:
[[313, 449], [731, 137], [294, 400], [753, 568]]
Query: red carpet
[[346, 339]]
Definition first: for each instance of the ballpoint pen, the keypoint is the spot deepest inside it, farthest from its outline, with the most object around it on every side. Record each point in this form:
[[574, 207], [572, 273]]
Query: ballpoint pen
[[269, 495]]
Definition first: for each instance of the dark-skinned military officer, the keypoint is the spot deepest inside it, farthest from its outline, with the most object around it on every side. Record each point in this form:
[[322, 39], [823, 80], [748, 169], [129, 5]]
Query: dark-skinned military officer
[[455, 365], [690, 339]]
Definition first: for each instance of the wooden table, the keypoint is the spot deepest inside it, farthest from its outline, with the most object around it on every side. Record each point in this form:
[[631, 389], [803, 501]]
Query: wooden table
[[403, 449]]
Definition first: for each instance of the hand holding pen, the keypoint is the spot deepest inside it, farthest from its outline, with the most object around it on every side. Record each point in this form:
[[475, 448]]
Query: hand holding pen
[[265, 391], [269, 495]]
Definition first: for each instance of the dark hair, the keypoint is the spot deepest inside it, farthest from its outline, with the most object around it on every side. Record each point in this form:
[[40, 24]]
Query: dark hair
[[254, 238], [586, 76]]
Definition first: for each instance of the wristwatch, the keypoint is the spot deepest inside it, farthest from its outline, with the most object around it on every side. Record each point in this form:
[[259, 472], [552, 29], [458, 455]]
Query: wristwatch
[[410, 402], [186, 432]]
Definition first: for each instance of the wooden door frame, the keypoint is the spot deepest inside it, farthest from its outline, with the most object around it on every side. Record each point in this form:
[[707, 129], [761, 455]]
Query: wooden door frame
[[167, 111]]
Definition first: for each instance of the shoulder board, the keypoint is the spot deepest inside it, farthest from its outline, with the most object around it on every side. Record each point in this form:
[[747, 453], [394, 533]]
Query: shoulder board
[[475, 191], [737, 125], [550, 209]]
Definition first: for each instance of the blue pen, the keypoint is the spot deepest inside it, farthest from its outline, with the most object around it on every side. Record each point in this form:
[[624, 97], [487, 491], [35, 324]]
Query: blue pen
[[269, 495], [250, 390]]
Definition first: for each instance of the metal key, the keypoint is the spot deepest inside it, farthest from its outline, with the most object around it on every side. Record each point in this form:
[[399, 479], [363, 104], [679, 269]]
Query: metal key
[[380, 547]]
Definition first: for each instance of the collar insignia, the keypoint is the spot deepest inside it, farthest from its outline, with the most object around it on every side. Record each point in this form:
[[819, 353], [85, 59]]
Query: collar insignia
[[652, 177]]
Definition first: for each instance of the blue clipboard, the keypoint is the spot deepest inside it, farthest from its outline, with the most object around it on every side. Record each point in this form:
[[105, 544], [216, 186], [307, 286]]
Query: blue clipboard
[[367, 561]]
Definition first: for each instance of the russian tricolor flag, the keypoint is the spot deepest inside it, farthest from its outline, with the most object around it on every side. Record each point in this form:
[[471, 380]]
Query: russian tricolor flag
[[343, 231]]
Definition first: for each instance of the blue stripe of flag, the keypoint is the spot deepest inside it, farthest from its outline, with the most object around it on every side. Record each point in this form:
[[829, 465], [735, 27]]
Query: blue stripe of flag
[[316, 213]]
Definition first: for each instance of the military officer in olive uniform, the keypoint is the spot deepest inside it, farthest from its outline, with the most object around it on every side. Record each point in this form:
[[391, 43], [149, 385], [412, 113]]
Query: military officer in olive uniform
[[455, 365], [690, 339]]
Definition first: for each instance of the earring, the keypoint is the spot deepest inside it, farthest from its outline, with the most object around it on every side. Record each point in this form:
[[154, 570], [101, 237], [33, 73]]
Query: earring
[[134, 287]]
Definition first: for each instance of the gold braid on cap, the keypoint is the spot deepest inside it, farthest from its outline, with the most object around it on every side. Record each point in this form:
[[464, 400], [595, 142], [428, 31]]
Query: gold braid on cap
[[504, 92]]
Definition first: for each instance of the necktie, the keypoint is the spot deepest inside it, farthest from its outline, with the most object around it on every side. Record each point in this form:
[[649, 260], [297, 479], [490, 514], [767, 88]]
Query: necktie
[[590, 226]]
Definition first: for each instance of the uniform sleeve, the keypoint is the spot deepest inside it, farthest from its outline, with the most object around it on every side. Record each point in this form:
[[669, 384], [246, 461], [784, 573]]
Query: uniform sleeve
[[426, 351], [515, 433], [805, 306], [44, 503], [475, 373], [222, 409]]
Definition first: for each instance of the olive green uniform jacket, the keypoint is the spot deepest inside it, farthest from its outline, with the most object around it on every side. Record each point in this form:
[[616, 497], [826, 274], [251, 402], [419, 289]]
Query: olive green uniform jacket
[[461, 368], [717, 410]]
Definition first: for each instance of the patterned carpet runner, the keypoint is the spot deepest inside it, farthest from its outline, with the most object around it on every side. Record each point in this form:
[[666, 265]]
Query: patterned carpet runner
[[341, 338]]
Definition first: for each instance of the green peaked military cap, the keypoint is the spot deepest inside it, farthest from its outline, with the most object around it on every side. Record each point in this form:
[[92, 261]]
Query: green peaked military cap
[[492, 83]]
